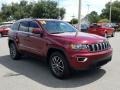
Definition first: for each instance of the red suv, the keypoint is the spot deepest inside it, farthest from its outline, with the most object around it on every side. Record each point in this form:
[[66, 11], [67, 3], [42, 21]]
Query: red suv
[[62, 46], [102, 30]]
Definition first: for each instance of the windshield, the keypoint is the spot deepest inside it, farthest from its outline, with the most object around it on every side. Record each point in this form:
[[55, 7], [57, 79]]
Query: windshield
[[57, 27]]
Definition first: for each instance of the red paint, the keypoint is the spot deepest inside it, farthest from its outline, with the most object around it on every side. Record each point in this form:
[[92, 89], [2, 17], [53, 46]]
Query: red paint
[[101, 30], [39, 45], [4, 30]]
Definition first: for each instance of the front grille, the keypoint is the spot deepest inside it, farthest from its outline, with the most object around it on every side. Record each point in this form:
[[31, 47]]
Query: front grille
[[98, 46]]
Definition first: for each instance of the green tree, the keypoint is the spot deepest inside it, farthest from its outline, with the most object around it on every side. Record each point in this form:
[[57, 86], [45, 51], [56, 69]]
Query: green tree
[[1, 17], [47, 9], [115, 11], [6, 11], [93, 17], [103, 20], [16, 10], [40, 9], [62, 12], [74, 21]]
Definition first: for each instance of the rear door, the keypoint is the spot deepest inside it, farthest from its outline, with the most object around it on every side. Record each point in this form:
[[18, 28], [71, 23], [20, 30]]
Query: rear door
[[23, 36]]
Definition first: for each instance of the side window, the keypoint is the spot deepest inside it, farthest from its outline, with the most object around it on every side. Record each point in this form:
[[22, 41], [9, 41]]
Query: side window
[[33, 25], [24, 26], [15, 26]]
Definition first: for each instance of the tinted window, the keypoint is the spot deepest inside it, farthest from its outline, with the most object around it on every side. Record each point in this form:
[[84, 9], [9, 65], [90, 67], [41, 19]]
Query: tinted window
[[15, 26], [24, 26], [32, 26]]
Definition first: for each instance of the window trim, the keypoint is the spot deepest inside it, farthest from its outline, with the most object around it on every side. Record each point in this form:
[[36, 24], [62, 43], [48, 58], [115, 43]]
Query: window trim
[[17, 29]]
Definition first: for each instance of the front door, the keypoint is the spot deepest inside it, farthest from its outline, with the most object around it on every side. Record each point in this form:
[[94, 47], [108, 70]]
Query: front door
[[36, 43]]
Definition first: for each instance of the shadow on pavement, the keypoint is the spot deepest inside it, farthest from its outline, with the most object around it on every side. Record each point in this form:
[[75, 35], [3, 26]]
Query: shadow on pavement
[[38, 71]]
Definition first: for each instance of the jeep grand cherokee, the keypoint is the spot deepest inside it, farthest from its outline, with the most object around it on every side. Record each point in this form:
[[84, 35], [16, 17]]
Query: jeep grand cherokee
[[64, 47]]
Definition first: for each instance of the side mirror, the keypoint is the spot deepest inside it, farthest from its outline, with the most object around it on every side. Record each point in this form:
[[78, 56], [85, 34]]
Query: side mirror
[[37, 31]]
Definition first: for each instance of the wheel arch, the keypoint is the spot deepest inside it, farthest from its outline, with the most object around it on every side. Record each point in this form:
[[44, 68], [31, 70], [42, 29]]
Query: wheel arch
[[53, 49], [10, 41]]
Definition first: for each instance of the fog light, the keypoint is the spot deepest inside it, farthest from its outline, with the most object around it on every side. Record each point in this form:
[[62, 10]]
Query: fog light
[[81, 59]]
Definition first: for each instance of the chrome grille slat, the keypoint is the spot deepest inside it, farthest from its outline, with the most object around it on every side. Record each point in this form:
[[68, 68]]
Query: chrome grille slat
[[93, 47], [98, 46], [107, 44], [103, 46]]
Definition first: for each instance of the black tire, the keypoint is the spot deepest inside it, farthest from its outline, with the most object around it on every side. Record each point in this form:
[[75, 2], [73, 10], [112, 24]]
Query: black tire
[[106, 36], [15, 55], [113, 34], [59, 66], [0, 34]]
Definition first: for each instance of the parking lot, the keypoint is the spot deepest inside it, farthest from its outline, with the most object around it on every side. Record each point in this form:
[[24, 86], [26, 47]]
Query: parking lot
[[31, 74]]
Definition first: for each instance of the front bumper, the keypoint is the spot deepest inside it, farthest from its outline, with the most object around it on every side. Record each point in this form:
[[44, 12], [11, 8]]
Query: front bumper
[[96, 59], [100, 62]]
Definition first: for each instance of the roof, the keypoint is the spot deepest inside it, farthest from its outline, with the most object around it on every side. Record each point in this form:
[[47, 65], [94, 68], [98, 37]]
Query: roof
[[27, 19]]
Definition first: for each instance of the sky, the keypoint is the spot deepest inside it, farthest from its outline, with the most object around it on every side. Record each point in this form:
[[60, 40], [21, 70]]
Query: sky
[[71, 6]]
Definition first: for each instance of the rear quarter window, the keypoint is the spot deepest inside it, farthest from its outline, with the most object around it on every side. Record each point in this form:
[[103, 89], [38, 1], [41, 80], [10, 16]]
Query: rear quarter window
[[15, 26]]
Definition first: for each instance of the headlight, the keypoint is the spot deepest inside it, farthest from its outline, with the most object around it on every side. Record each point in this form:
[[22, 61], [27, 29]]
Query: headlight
[[78, 46]]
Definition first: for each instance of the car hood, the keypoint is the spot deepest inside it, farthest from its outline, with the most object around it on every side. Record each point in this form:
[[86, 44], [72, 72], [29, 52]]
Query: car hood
[[79, 37]]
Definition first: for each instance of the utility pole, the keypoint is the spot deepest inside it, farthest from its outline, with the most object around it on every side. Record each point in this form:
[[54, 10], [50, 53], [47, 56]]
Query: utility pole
[[59, 17], [88, 5], [110, 15], [79, 16]]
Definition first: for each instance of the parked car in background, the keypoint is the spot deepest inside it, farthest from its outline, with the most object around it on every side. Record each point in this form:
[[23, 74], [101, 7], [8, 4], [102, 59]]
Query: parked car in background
[[4, 29], [60, 44], [112, 25], [9, 22], [84, 27], [101, 30]]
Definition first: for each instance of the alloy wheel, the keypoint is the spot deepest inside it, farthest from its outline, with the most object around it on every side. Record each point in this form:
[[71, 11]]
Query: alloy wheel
[[57, 65]]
